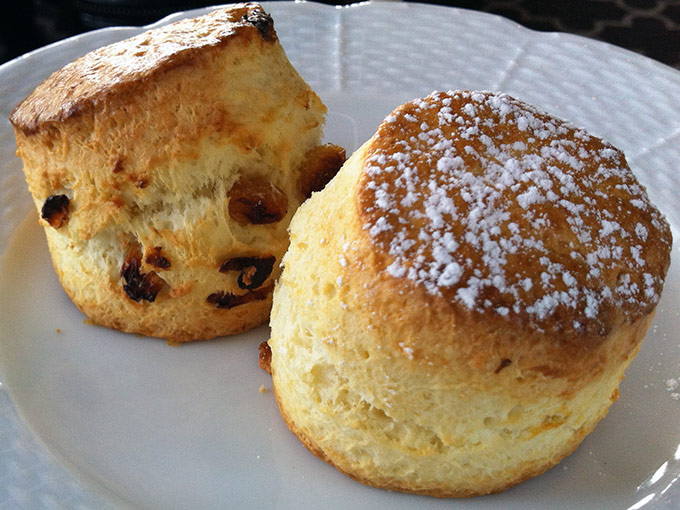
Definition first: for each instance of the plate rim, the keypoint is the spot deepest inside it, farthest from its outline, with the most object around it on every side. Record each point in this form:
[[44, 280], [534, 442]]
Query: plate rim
[[37, 53]]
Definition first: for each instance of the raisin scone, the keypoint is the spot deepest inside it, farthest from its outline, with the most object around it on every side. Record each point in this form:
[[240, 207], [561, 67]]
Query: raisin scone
[[166, 169], [465, 319]]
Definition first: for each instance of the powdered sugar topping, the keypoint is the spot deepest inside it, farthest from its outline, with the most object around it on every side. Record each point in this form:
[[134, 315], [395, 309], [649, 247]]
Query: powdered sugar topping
[[500, 207]]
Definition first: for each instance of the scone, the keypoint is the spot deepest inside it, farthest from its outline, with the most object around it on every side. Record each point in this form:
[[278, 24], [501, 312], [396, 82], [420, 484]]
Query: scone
[[459, 304], [166, 169]]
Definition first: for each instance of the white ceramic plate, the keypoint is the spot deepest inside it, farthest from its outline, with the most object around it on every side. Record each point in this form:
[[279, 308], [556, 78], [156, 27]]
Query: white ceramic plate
[[145, 425]]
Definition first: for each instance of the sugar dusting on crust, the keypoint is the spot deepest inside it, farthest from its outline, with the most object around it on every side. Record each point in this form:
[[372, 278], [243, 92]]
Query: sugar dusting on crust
[[489, 202]]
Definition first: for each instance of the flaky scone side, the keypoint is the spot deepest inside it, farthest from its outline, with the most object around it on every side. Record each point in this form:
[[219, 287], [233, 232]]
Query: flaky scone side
[[459, 304], [166, 169]]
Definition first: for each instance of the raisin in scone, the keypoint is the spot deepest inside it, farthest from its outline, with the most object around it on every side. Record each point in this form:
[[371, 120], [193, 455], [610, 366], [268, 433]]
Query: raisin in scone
[[459, 304], [166, 169]]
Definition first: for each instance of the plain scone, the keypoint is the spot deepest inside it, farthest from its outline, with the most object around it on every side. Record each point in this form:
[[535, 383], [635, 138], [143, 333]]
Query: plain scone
[[459, 304], [166, 169]]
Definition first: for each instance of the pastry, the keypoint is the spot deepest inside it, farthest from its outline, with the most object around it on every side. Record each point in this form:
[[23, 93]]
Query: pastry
[[166, 168], [459, 304]]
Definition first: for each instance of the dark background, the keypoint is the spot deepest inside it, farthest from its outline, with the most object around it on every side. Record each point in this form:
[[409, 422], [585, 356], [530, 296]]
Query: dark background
[[650, 27]]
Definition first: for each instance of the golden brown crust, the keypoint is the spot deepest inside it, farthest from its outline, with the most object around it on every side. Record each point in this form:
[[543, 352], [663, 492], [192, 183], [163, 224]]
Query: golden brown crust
[[126, 67], [322, 164], [401, 383], [264, 360], [506, 212], [479, 342], [138, 159], [119, 150]]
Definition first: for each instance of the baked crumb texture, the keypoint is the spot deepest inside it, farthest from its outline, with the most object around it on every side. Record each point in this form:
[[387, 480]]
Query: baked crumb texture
[[166, 169], [459, 304]]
